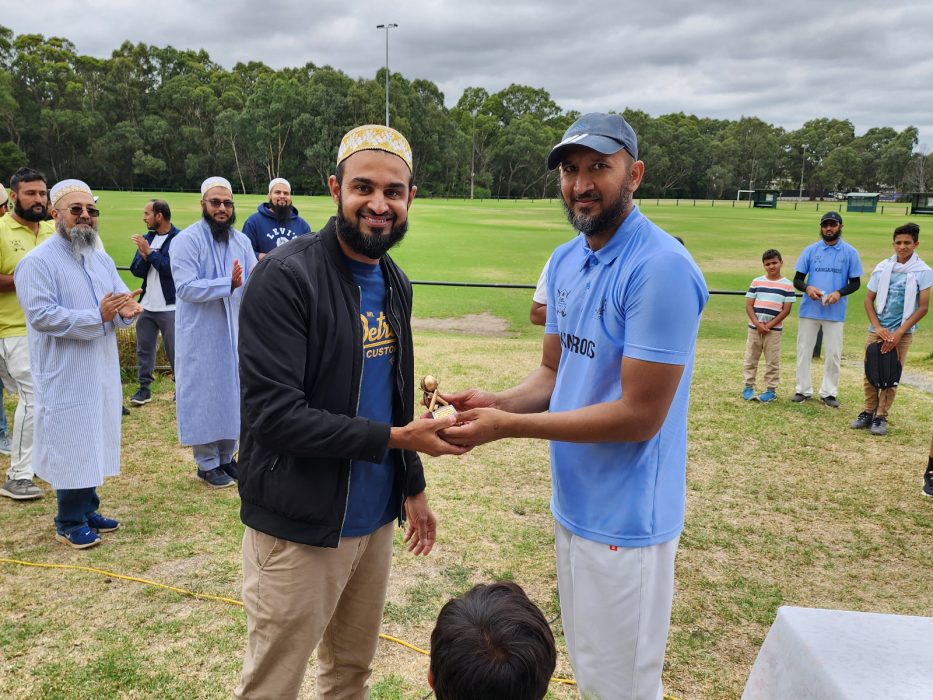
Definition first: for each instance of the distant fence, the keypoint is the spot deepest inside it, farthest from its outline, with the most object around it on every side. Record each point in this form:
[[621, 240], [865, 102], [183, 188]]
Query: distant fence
[[783, 202], [126, 337]]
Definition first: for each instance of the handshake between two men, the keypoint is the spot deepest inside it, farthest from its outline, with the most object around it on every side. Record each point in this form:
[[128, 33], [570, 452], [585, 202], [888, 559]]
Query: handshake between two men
[[455, 423]]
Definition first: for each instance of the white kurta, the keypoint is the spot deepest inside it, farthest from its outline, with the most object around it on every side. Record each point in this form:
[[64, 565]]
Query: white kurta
[[74, 361], [206, 328]]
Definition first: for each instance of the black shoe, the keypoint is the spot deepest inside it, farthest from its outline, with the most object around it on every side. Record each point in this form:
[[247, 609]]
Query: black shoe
[[231, 469], [141, 397], [928, 484], [215, 478], [863, 420], [879, 426], [799, 398], [125, 410], [830, 401]]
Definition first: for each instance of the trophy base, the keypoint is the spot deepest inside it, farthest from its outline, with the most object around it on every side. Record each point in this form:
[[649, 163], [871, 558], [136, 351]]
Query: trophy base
[[443, 412]]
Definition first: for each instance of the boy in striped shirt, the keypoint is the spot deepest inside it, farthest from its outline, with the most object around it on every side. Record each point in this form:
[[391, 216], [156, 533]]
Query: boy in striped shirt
[[767, 304]]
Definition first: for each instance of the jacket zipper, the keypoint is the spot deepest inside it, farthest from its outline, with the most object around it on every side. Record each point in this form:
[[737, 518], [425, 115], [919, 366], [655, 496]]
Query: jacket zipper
[[356, 412], [401, 386]]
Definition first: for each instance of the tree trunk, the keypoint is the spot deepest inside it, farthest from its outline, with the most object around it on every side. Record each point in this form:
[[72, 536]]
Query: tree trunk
[[236, 159]]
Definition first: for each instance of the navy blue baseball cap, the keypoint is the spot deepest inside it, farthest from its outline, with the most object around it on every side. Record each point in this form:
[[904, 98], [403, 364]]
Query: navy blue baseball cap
[[831, 216], [605, 133]]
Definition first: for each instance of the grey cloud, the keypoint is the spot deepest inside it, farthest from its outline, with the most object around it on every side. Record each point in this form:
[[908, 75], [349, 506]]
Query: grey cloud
[[782, 62]]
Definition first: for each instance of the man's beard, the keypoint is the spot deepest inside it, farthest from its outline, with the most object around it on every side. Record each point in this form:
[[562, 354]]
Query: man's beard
[[282, 212], [605, 222], [832, 237], [30, 214], [83, 237], [372, 246], [220, 230]]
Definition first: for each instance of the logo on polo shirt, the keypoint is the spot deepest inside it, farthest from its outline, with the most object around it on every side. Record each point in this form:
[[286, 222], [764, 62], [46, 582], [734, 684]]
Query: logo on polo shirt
[[600, 310], [562, 295]]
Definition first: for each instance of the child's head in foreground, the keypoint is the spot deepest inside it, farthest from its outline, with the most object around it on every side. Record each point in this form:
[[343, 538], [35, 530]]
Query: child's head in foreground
[[494, 644]]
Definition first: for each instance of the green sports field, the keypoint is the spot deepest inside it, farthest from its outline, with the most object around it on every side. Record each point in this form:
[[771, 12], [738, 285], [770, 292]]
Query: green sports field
[[786, 505], [508, 242]]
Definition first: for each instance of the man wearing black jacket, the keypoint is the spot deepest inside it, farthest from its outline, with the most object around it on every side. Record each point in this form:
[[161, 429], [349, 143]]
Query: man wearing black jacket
[[328, 449], [153, 265]]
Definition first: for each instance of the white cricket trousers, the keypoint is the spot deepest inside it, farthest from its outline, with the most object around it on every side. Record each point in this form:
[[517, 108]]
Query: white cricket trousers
[[807, 328], [615, 605], [17, 378]]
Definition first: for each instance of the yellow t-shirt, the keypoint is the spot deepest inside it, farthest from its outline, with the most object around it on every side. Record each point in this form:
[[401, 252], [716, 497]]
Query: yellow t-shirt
[[15, 241]]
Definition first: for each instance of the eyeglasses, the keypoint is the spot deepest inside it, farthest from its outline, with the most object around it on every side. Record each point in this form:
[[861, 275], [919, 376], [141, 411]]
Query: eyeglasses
[[829, 224], [218, 203], [76, 209]]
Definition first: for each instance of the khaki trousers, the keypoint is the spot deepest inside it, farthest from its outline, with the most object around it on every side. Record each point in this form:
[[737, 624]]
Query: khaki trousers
[[770, 345], [879, 401], [299, 597]]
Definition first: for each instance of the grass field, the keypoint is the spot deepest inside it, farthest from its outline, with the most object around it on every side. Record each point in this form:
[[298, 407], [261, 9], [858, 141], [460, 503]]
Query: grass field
[[786, 504]]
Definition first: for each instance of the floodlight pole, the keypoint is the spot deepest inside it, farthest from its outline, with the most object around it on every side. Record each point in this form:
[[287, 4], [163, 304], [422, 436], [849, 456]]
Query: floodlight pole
[[803, 160], [387, 27], [472, 152]]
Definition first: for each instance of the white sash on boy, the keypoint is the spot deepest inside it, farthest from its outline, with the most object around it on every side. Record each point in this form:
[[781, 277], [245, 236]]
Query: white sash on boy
[[889, 266]]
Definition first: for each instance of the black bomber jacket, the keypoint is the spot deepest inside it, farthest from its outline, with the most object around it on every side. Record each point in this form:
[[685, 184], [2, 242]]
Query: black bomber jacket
[[300, 348]]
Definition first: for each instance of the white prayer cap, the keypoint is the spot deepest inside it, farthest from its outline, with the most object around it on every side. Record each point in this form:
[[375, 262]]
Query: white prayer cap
[[374, 137], [215, 181], [4, 197], [66, 187], [279, 181]]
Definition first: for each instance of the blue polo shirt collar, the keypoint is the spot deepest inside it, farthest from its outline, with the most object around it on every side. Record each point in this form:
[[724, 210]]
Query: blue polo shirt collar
[[836, 246], [614, 246]]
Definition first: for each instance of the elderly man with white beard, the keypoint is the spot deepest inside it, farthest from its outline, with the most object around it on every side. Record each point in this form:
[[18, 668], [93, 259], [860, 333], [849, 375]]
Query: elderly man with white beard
[[74, 301]]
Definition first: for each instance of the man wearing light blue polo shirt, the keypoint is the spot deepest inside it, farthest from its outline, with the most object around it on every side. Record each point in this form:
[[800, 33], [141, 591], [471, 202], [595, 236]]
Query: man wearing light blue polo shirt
[[624, 302], [826, 272]]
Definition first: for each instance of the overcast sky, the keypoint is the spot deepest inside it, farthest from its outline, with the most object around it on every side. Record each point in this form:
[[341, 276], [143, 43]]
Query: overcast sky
[[785, 62]]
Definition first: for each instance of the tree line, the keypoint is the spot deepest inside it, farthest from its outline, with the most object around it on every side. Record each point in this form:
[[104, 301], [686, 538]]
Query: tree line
[[158, 118]]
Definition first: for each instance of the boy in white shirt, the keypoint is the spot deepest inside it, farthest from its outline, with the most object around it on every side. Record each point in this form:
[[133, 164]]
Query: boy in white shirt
[[898, 297]]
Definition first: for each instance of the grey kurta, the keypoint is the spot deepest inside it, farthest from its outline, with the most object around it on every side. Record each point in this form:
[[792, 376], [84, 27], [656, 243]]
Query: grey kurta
[[74, 361], [206, 328]]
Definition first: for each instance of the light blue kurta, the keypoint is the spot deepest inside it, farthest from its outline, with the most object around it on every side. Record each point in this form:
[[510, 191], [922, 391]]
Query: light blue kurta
[[74, 361], [206, 328]]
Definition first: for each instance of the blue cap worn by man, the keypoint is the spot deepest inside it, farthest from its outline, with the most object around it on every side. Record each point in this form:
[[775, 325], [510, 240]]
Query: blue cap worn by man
[[624, 300], [827, 272], [604, 133]]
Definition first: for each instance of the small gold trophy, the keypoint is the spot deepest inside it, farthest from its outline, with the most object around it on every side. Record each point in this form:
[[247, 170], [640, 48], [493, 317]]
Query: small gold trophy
[[436, 405]]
